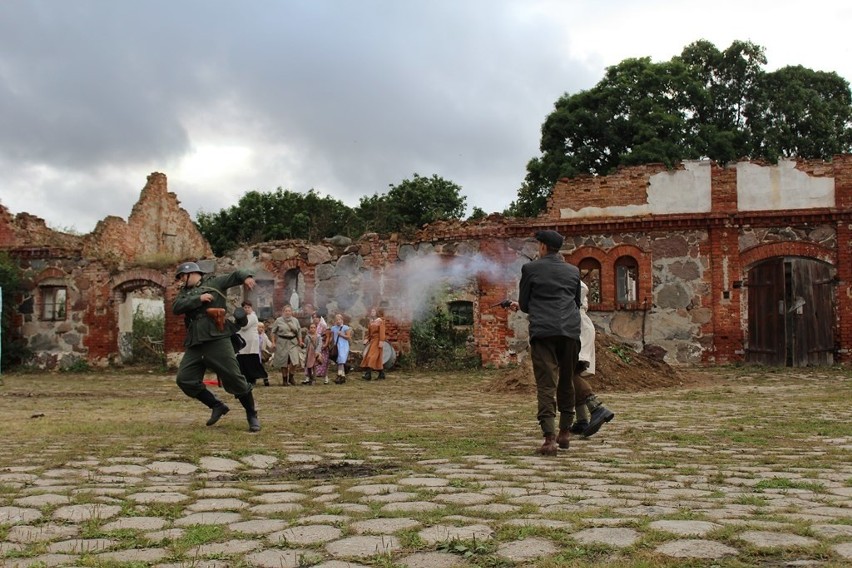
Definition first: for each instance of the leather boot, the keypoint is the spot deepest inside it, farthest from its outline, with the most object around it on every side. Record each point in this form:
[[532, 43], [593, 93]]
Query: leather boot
[[600, 416], [247, 400], [217, 407], [564, 438], [549, 447], [381, 374], [368, 375]]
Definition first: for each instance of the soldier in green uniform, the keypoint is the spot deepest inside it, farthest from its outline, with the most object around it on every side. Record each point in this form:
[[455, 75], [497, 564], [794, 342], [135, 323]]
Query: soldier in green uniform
[[202, 302]]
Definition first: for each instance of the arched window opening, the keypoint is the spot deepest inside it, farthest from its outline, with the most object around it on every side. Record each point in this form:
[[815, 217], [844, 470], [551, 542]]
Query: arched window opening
[[626, 281]]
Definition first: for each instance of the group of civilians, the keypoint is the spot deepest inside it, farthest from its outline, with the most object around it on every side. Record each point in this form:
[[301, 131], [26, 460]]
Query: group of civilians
[[314, 351]]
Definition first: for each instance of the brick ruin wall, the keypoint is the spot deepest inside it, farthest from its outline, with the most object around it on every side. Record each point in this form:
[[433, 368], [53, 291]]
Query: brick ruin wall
[[688, 304]]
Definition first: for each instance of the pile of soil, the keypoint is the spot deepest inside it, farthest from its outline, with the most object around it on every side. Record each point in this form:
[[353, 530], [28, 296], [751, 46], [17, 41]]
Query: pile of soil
[[618, 367]]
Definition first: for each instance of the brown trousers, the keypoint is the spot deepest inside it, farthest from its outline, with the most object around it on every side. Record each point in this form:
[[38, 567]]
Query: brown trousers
[[553, 361]]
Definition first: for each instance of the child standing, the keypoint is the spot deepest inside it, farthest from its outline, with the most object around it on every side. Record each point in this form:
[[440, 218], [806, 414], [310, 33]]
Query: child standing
[[313, 354]]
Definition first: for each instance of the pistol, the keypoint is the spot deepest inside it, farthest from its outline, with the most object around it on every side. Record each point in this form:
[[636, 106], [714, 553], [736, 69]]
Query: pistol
[[504, 304]]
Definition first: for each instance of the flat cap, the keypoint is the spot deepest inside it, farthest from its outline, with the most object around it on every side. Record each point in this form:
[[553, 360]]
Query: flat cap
[[551, 239]]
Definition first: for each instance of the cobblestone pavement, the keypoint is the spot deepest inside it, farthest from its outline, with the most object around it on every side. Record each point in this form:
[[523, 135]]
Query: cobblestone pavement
[[670, 500]]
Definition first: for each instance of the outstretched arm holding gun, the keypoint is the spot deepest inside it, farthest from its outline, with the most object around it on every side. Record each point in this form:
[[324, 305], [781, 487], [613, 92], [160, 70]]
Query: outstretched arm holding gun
[[507, 304]]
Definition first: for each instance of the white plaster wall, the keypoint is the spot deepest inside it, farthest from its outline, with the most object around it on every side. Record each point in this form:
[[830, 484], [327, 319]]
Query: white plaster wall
[[679, 191], [767, 188]]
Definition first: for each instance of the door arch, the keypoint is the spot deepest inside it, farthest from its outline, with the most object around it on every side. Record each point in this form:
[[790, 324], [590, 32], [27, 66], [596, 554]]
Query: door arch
[[791, 312]]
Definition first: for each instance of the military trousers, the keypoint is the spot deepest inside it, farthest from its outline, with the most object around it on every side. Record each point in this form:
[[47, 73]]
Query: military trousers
[[553, 361], [217, 356]]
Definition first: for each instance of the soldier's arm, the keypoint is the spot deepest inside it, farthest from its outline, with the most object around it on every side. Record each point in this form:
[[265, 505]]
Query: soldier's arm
[[185, 303]]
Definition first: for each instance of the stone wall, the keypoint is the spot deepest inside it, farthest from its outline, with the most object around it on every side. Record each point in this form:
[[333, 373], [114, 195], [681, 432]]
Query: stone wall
[[690, 300]]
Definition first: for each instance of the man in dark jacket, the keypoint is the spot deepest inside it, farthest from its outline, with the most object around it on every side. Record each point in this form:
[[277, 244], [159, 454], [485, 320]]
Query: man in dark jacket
[[549, 293], [202, 302]]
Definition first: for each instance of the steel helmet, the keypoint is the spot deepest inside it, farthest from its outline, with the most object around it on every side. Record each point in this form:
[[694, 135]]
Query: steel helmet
[[188, 268]]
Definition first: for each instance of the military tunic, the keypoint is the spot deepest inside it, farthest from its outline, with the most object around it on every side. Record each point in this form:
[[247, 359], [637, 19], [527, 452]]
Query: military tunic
[[207, 347]]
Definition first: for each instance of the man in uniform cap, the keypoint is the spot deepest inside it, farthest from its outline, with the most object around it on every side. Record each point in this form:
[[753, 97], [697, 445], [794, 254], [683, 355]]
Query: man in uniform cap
[[202, 302], [549, 293]]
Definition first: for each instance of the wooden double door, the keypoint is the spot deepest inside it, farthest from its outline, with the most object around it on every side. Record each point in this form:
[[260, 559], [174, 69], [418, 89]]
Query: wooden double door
[[791, 313]]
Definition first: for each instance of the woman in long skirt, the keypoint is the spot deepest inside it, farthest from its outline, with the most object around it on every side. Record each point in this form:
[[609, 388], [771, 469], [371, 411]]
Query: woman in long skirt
[[248, 358], [287, 339], [324, 335]]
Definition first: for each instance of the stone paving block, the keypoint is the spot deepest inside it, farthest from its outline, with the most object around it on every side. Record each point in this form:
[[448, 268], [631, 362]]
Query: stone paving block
[[147, 497], [431, 560], [832, 531], [43, 560], [696, 548], [140, 555], [340, 564], [82, 545], [122, 470], [424, 481], [172, 467], [444, 533], [10, 547], [220, 492], [306, 534], [363, 546], [227, 548], [615, 537], [41, 533], [324, 519], [494, 509], [543, 523], [375, 488], [275, 508], [167, 534], [766, 539], [279, 497], [217, 505], [410, 507], [258, 526], [208, 518], [278, 558], [394, 497], [259, 461], [685, 528], [196, 563], [384, 526], [18, 515], [527, 549], [844, 550], [43, 500], [135, 523], [211, 463], [464, 498], [87, 512]]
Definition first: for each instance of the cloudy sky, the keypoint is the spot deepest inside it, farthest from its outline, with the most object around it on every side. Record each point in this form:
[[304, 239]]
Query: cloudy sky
[[343, 96]]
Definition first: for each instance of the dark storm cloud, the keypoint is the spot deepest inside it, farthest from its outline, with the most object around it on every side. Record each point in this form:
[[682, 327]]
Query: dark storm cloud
[[365, 92]]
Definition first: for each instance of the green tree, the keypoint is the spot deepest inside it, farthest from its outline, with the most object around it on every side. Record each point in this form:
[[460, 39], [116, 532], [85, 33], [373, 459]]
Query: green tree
[[704, 103], [281, 214], [411, 204], [10, 277]]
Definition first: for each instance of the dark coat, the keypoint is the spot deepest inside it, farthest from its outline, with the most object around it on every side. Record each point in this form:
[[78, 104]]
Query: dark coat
[[550, 295]]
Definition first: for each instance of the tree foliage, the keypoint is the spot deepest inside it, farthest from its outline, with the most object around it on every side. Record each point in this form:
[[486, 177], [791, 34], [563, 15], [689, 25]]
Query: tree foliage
[[281, 214], [285, 214], [704, 103], [411, 204], [10, 276]]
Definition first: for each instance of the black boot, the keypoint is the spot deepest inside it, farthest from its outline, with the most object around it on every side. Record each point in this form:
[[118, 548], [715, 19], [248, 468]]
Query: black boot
[[247, 400], [218, 408], [381, 375], [368, 375]]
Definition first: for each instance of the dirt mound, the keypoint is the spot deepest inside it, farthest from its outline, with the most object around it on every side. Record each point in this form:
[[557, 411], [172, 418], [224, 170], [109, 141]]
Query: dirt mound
[[618, 368]]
